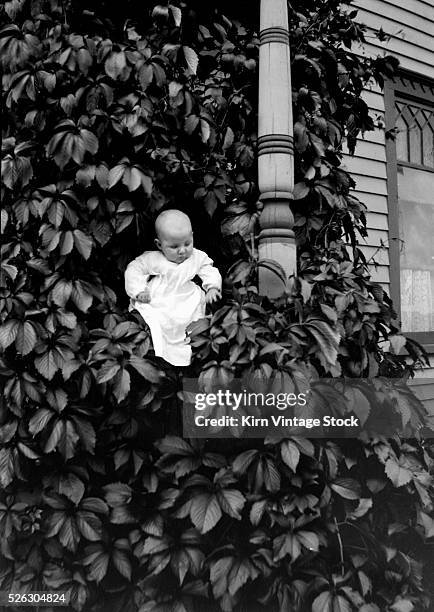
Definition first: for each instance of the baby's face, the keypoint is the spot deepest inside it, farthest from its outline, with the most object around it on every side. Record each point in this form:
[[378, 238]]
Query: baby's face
[[176, 245]]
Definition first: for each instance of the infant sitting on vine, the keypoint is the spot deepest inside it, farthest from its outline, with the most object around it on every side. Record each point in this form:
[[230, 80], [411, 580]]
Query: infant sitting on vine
[[160, 285]]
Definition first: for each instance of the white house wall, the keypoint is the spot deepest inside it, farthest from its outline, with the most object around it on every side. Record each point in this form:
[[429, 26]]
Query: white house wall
[[410, 24]]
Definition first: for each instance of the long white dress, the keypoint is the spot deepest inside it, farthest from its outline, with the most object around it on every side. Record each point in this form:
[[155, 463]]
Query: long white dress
[[175, 300]]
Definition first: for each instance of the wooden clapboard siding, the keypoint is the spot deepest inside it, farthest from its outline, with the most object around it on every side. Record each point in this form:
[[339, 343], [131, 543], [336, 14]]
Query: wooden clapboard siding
[[410, 25], [374, 98], [369, 184], [429, 405], [380, 274], [415, 28], [368, 166], [397, 43], [377, 255], [375, 136], [377, 238], [370, 150], [377, 220], [374, 202], [400, 12], [424, 385], [413, 62]]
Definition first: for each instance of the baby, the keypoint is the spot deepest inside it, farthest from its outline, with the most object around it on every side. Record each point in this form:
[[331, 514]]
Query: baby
[[161, 289]]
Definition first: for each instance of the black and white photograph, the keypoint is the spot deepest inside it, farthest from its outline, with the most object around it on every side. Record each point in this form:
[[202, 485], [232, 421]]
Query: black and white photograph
[[217, 306]]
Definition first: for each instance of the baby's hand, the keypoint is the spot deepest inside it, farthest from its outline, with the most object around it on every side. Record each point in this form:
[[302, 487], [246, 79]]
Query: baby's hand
[[144, 296], [212, 295]]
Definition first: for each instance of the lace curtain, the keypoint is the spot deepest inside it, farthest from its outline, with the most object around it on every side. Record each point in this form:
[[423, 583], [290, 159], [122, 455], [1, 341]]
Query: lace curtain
[[417, 300]]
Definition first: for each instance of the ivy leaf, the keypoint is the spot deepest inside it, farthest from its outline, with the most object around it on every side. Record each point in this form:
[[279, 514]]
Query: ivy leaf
[[327, 338], [69, 534], [329, 312], [365, 504], [39, 420], [107, 372], [231, 502], [61, 292], [219, 572], [359, 403], [172, 445], [8, 333], [238, 576], [72, 487], [97, 563], [116, 66], [122, 563], [397, 474], [228, 139], [257, 511], [46, 364], [191, 123], [67, 319], [177, 14], [160, 11], [81, 298], [6, 467], [402, 605], [428, 524], [13, 7], [146, 369], [84, 176], [117, 494], [83, 243], [286, 544], [290, 454], [191, 59], [397, 343], [308, 539], [347, 488], [243, 461], [121, 386], [301, 190], [89, 525], [205, 512], [327, 601], [205, 130], [55, 435], [174, 88], [16, 171]]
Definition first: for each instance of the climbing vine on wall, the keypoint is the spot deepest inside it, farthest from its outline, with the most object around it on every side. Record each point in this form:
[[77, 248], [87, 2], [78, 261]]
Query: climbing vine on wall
[[109, 113]]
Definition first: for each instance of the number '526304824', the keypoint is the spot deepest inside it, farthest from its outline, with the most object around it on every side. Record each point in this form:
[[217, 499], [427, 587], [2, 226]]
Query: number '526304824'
[[34, 598]]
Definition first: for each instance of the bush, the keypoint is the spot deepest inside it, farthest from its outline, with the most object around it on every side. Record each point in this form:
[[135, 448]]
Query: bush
[[110, 114]]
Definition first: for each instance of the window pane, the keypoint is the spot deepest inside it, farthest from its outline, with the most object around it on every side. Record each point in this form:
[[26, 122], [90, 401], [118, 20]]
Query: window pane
[[416, 223], [401, 140], [415, 140], [428, 140], [414, 133]]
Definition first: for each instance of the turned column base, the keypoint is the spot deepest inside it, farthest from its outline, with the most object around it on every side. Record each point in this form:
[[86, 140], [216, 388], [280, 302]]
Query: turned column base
[[276, 241]]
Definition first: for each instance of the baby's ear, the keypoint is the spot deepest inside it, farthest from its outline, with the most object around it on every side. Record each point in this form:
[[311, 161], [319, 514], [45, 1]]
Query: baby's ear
[[157, 243]]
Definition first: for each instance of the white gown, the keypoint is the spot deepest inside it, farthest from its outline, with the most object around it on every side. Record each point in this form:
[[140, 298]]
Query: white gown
[[175, 300]]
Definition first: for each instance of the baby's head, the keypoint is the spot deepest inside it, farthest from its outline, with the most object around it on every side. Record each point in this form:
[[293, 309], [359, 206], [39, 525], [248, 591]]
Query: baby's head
[[174, 235]]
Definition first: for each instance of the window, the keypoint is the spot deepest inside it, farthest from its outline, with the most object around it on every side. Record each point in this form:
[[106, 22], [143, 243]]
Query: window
[[410, 157]]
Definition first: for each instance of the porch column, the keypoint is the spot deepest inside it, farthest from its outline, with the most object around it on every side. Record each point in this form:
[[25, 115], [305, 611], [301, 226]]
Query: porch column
[[275, 146]]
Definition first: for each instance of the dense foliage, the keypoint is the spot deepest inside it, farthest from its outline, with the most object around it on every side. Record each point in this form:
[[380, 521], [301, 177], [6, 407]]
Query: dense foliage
[[111, 112]]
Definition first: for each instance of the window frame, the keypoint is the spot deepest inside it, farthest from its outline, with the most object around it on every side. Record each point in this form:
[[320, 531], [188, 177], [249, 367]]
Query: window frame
[[412, 87]]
